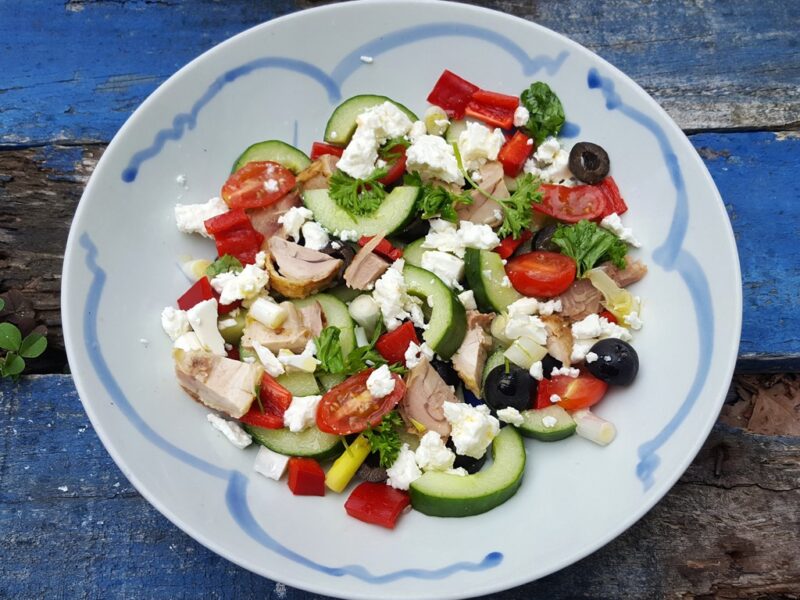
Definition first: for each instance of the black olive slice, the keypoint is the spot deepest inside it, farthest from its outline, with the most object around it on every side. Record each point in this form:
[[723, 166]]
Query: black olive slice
[[589, 162]]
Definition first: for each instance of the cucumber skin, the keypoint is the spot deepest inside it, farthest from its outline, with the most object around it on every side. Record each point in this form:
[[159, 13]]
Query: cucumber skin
[[473, 270], [495, 359], [443, 506], [299, 384], [263, 436], [333, 308], [454, 332], [298, 159], [413, 252], [343, 118], [545, 435]]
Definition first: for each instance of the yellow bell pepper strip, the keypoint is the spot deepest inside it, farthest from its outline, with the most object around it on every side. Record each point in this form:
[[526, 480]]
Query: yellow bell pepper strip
[[345, 467]]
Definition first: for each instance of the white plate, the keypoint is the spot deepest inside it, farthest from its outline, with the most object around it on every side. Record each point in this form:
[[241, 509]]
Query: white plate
[[281, 80]]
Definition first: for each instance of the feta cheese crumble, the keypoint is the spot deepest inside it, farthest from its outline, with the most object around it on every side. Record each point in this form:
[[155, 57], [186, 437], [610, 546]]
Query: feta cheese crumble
[[531, 306], [521, 116], [445, 266], [479, 144], [404, 471], [293, 219], [594, 326], [549, 421], [373, 127], [472, 427], [414, 354], [432, 454], [231, 430], [270, 464], [566, 371], [511, 416], [433, 158], [550, 163], [467, 298], [203, 319], [445, 237], [243, 285], [302, 413], [380, 382], [306, 361], [314, 236], [270, 362], [554, 398], [633, 321], [614, 224], [174, 322], [396, 304], [591, 357], [190, 218], [537, 370]]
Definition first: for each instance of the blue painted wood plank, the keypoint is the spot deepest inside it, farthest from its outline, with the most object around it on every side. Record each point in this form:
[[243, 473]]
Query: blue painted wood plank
[[73, 527], [756, 176], [76, 70]]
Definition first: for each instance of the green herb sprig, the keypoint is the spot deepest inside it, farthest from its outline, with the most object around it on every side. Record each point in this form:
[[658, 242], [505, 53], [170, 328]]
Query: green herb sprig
[[224, 264], [384, 438], [17, 348], [332, 360], [357, 197], [545, 109], [589, 244]]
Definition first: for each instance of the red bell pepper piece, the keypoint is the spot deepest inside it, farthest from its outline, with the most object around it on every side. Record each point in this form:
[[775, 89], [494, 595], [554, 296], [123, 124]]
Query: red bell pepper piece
[[243, 244], [306, 477], [609, 317], [514, 153], [614, 201], [393, 345], [224, 309], [492, 108], [233, 353], [320, 148], [384, 248], [275, 399], [509, 245], [200, 291], [229, 221], [397, 164], [452, 93], [377, 503]]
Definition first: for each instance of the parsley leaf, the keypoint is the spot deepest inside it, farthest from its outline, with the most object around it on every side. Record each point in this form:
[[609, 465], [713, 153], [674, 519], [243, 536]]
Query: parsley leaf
[[389, 151], [222, 265], [518, 208], [437, 201], [357, 197], [546, 112], [329, 351], [589, 244], [384, 438]]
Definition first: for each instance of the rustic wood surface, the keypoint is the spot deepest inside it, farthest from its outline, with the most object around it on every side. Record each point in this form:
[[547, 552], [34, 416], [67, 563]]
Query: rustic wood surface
[[72, 72]]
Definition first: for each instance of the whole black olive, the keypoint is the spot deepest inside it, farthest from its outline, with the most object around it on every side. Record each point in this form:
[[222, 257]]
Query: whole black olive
[[416, 229], [340, 250], [543, 239], [471, 465], [589, 162], [446, 372], [549, 363], [617, 362], [513, 388]]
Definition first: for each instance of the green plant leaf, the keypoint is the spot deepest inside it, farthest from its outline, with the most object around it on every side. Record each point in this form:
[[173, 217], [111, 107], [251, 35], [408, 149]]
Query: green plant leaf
[[13, 365], [33, 345], [10, 337]]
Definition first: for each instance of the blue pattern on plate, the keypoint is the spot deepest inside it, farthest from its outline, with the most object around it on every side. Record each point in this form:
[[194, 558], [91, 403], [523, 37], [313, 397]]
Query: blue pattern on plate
[[346, 67], [235, 495], [672, 257]]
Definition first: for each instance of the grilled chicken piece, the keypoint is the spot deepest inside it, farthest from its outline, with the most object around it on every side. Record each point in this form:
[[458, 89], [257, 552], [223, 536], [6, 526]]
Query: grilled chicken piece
[[367, 267], [311, 316], [316, 176], [296, 271], [483, 209], [218, 382], [583, 299], [470, 358], [292, 335], [265, 220], [426, 393], [559, 338]]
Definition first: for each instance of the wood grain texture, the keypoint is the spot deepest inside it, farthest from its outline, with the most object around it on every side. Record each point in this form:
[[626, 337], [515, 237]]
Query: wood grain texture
[[729, 529], [712, 64], [40, 187]]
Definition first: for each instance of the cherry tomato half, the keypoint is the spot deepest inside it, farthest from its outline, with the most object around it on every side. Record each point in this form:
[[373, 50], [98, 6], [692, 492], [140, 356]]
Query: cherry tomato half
[[571, 204], [350, 408], [582, 391], [541, 274], [257, 184], [396, 157]]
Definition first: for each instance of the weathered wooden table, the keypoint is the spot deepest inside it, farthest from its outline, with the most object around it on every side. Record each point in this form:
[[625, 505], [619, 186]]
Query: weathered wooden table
[[71, 73]]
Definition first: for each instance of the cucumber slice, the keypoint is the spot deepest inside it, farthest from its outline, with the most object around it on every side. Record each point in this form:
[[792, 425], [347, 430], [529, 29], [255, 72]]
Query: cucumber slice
[[344, 293], [485, 272], [396, 210], [454, 130], [337, 315], [495, 359], [277, 151], [232, 333], [299, 384], [342, 123], [311, 443], [448, 321], [413, 252], [443, 495], [329, 380], [534, 427]]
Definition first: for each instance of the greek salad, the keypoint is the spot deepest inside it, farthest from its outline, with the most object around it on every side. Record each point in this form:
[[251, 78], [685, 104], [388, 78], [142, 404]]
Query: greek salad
[[414, 295]]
